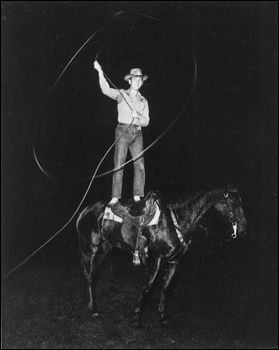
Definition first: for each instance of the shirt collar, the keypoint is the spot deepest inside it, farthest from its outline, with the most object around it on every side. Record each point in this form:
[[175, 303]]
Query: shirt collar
[[128, 92]]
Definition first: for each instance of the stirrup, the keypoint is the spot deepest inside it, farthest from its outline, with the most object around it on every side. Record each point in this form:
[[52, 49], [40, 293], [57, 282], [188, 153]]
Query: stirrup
[[136, 259], [146, 252]]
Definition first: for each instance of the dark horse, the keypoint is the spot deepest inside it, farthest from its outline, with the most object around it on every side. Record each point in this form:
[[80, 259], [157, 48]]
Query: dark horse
[[167, 240]]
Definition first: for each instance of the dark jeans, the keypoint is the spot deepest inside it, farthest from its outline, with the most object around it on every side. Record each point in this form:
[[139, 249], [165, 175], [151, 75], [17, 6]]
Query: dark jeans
[[132, 139]]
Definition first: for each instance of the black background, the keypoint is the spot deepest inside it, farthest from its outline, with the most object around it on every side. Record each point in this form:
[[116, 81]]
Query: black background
[[228, 132]]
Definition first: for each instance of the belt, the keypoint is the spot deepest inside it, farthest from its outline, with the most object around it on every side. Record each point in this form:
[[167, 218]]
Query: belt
[[138, 127]]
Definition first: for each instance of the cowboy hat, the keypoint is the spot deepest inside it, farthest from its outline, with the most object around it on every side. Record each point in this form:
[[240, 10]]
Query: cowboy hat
[[135, 72]]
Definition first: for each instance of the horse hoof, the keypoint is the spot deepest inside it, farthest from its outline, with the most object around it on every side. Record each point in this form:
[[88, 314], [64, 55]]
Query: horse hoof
[[95, 315]]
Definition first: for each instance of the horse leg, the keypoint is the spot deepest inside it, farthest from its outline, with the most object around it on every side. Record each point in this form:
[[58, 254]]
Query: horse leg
[[90, 262], [151, 273], [87, 260], [171, 268]]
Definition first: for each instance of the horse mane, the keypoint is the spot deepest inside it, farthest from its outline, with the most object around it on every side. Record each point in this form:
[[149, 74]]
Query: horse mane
[[188, 208], [193, 201]]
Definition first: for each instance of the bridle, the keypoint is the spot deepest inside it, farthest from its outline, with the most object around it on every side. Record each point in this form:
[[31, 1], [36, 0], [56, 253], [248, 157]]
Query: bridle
[[231, 216]]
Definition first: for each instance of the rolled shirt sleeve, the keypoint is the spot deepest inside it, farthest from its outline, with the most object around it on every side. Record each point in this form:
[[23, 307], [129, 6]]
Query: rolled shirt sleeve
[[144, 115]]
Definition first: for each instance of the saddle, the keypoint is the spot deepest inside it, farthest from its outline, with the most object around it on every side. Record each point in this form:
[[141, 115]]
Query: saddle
[[134, 218]]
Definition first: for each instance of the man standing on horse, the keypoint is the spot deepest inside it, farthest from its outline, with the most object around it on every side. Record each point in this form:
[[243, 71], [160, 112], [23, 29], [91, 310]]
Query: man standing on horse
[[133, 114]]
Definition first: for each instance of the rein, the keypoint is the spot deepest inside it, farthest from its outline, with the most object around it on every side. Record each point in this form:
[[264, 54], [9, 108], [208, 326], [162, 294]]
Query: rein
[[178, 229]]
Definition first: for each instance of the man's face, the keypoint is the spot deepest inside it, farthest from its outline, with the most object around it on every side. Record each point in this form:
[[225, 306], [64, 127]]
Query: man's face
[[136, 83]]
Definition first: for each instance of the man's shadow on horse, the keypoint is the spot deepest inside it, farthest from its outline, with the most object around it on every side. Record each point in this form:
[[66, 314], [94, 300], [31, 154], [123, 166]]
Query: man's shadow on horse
[[156, 232]]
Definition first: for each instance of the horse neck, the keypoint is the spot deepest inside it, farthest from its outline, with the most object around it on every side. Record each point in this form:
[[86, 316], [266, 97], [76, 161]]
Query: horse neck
[[193, 209]]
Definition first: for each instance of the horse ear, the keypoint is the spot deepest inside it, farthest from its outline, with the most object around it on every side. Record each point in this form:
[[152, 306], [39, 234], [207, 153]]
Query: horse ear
[[232, 187], [235, 187]]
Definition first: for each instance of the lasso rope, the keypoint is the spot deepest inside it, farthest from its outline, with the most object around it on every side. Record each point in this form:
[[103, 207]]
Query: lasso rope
[[97, 168]]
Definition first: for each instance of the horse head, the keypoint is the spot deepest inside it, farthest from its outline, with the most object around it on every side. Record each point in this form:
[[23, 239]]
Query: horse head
[[229, 206]]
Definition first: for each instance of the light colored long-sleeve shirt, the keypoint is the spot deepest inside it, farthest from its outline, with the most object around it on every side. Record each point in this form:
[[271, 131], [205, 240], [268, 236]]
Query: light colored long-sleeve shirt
[[138, 103]]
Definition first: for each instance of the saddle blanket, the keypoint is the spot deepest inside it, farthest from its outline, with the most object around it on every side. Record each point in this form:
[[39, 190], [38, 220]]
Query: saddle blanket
[[109, 215]]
